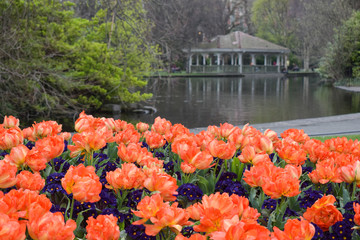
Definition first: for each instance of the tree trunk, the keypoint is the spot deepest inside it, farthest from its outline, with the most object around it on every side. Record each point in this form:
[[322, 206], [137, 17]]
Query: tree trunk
[[306, 56]]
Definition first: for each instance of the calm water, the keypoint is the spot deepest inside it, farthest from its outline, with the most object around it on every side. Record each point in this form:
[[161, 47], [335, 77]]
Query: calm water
[[199, 102]]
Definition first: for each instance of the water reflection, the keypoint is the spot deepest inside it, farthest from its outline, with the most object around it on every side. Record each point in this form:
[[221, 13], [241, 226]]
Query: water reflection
[[199, 102]]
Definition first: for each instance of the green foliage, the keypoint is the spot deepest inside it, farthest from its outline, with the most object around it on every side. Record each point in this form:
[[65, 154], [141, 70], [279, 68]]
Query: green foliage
[[272, 22], [52, 61], [342, 57]]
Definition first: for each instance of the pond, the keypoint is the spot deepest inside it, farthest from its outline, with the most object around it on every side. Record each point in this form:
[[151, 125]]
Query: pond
[[199, 102]]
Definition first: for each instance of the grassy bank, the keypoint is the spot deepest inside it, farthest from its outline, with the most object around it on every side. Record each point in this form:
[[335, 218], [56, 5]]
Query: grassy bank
[[323, 138]]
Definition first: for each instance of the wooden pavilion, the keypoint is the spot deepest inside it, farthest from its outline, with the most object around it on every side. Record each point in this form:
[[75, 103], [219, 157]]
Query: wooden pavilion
[[236, 52]]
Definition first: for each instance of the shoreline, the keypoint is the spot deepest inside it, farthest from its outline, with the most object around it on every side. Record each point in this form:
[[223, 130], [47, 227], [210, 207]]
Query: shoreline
[[349, 89], [195, 75]]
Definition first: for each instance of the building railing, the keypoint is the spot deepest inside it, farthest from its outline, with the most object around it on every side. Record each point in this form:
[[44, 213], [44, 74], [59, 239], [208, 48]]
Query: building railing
[[246, 69]]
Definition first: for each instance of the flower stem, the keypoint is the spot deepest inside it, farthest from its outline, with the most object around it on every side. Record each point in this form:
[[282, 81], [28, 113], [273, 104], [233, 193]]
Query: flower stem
[[71, 207], [353, 191]]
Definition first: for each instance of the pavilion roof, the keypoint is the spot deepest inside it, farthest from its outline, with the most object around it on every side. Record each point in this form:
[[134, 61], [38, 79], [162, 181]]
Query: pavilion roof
[[240, 41]]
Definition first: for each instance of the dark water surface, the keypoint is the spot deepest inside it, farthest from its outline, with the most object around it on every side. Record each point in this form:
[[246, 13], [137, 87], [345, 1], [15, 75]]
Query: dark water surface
[[199, 102]]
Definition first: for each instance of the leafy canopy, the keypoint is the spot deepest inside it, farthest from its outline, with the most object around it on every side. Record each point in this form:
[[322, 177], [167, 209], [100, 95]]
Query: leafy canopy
[[54, 62]]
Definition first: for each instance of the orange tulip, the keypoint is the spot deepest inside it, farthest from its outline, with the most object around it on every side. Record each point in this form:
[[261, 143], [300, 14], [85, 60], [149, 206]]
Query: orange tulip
[[50, 226], [351, 173], [248, 130], [127, 136], [356, 207], [149, 161], [194, 157], [19, 202], [214, 209], [109, 123], [86, 142], [131, 152], [65, 135], [172, 217], [121, 125], [196, 211], [35, 160], [161, 126], [127, 177], [281, 184], [294, 171], [7, 174], [220, 149], [104, 227], [316, 150], [162, 182], [195, 236], [10, 122], [226, 129], [259, 174], [245, 212], [27, 132], [233, 229], [44, 129], [182, 144], [84, 122], [187, 168], [175, 131], [83, 183], [154, 139], [262, 144], [202, 139], [17, 155], [323, 213], [51, 146], [239, 139], [291, 152], [272, 135], [148, 207], [10, 137], [142, 127], [326, 171], [298, 135], [11, 229], [295, 229], [31, 181], [214, 130], [249, 155], [339, 145]]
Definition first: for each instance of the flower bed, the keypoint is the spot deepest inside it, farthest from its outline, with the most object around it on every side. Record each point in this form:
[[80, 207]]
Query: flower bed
[[114, 180]]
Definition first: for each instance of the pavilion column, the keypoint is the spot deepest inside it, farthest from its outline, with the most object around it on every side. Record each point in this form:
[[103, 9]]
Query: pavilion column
[[197, 59], [204, 62], [232, 59], [265, 60], [278, 62], [211, 58], [218, 59], [240, 62], [253, 61], [190, 62]]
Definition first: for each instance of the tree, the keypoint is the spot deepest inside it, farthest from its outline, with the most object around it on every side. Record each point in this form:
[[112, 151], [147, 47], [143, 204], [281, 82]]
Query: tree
[[316, 24], [58, 63], [272, 21], [342, 59], [180, 24], [304, 26]]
